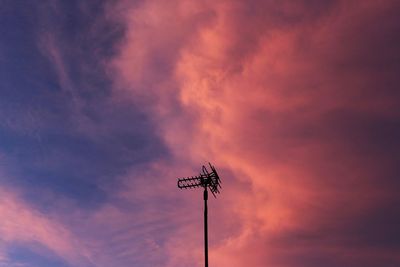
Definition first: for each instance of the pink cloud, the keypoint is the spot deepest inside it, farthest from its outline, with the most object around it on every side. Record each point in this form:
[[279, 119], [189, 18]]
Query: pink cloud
[[22, 224], [280, 96]]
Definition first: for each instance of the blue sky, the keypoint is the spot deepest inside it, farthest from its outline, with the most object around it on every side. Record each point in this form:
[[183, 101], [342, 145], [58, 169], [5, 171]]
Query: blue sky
[[54, 81]]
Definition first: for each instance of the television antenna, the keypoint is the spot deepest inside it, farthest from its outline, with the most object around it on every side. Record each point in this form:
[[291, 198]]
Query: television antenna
[[208, 180]]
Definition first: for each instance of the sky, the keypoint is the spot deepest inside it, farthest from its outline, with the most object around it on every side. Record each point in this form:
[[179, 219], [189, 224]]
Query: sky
[[104, 104]]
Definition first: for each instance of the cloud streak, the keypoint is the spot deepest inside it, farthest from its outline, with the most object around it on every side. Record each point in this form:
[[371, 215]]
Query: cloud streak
[[22, 224]]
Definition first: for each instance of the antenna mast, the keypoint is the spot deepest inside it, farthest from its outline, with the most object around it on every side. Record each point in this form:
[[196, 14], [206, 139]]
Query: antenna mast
[[207, 180]]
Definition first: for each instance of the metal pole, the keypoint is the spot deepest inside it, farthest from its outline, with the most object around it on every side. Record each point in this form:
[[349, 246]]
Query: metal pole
[[205, 228]]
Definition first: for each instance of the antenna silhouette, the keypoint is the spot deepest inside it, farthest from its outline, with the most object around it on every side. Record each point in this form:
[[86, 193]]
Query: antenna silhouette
[[206, 180]]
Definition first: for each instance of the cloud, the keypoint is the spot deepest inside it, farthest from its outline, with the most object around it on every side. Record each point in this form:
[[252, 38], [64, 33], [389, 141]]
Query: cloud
[[297, 102], [21, 224]]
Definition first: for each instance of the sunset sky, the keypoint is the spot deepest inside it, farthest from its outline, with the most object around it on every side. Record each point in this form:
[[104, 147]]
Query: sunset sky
[[104, 104]]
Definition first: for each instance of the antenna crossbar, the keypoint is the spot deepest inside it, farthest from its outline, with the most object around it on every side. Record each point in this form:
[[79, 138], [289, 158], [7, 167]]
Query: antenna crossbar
[[190, 182], [205, 179]]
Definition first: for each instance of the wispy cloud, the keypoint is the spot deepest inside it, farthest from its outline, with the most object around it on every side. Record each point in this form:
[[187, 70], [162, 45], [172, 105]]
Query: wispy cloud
[[22, 224]]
